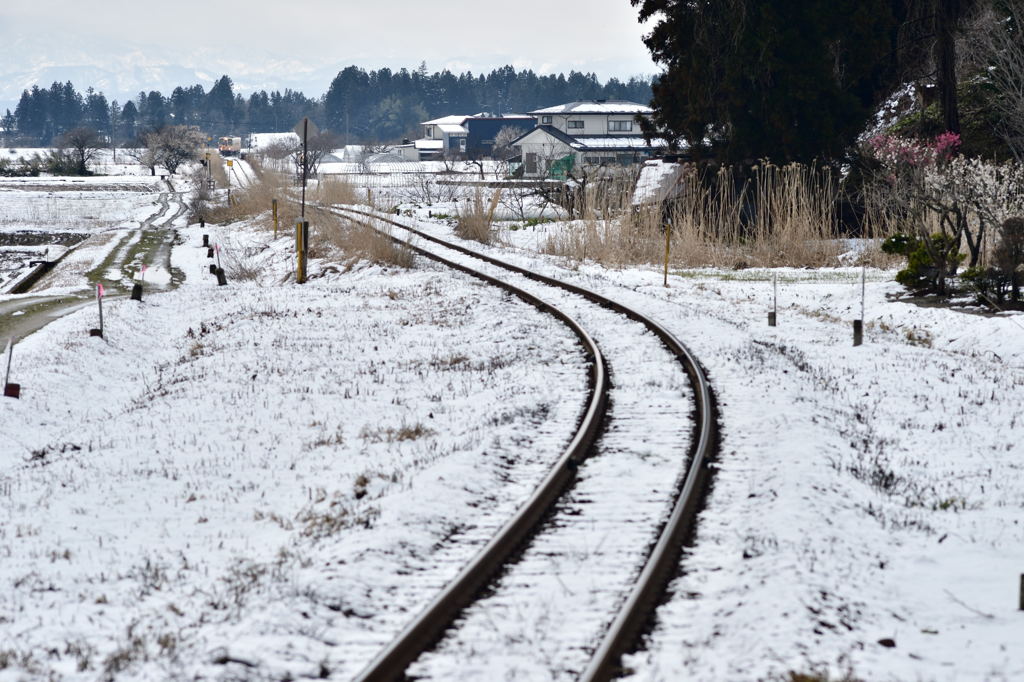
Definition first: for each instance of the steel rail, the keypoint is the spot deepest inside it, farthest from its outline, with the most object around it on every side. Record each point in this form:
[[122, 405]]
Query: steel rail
[[429, 625], [638, 608]]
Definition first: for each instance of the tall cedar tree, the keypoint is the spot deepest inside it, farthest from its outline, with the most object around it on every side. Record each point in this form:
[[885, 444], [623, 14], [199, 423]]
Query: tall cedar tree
[[790, 80]]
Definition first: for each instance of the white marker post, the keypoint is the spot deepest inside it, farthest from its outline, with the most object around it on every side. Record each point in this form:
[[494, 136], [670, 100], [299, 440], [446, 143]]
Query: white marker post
[[137, 287], [775, 301], [99, 303], [10, 390]]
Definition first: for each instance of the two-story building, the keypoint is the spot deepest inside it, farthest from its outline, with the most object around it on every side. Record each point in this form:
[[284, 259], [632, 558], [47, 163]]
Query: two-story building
[[593, 133], [471, 135]]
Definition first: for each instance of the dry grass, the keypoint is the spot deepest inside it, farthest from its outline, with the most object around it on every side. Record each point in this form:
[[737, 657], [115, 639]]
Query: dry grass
[[256, 201], [357, 240], [331, 191], [476, 218], [777, 216], [331, 236]]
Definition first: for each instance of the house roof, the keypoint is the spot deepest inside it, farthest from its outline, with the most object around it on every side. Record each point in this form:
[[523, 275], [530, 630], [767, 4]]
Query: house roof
[[452, 129], [550, 130], [658, 181], [447, 120], [597, 106], [460, 119], [606, 143]]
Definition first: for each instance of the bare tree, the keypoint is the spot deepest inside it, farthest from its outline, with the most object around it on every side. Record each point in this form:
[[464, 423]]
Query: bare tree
[[317, 147], [143, 151], [174, 145], [367, 152], [996, 51], [81, 145]]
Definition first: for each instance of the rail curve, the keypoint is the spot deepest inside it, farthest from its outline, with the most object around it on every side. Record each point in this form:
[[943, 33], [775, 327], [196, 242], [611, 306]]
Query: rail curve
[[662, 560]]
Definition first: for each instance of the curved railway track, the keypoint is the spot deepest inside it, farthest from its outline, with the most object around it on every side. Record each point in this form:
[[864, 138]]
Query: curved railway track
[[614, 428]]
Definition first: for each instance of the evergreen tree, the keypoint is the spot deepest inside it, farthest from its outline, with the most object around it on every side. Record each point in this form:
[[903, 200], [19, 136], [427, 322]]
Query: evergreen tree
[[96, 114], [792, 80], [129, 121], [9, 123], [220, 105]]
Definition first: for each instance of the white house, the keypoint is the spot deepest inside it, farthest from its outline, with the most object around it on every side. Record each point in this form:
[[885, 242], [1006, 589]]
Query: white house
[[598, 132]]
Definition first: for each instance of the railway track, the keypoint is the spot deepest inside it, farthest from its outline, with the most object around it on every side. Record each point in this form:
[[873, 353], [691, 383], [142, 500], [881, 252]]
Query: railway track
[[593, 548], [242, 172]]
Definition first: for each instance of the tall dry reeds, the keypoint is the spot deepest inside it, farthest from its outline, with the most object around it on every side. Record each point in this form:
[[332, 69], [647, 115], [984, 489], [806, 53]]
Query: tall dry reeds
[[254, 203], [767, 217], [475, 219], [333, 190]]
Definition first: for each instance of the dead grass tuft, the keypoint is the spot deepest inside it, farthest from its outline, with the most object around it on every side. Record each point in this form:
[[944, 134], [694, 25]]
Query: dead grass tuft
[[476, 218], [405, 432]]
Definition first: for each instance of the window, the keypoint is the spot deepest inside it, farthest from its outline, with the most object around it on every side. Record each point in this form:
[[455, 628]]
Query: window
[[575, 125], [545, 120], [429, 132], [620, 126]]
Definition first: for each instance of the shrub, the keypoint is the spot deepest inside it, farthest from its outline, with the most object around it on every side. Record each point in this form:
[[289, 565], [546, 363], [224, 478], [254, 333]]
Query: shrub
[[1001, 280], [931, 260], [1008, 254]]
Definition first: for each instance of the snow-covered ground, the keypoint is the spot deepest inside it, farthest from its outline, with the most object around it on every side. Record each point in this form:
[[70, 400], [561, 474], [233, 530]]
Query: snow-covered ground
[[266, 480]]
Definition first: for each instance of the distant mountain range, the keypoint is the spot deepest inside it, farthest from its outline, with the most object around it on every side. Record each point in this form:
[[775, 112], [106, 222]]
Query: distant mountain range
[[122, 74], [120, 70]]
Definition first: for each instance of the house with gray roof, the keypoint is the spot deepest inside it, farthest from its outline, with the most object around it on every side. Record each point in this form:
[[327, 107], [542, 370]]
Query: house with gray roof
[[591, 133]]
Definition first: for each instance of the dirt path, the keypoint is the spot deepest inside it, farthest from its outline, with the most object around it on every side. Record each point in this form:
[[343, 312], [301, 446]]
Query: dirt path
[[149, 244]]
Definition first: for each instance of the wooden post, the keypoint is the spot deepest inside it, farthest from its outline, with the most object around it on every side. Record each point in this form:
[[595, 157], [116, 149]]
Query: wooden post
[[772, 316], [301, 245], [137, 291], [206, 240], [668, 238], [274, 204], [1022, 591]]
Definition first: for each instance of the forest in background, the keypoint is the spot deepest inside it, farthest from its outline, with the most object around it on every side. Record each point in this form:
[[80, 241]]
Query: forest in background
[[360, 106]]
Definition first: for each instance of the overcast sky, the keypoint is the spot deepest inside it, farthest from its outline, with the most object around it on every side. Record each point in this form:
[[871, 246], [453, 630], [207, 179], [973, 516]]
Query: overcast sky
[[602, 36]]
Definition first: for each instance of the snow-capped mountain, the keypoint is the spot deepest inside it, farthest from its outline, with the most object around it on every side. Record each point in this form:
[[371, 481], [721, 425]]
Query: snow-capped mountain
[[121, 71]]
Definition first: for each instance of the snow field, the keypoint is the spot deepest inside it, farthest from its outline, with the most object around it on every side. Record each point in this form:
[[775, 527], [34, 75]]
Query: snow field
[[863, 494], [265, 481]]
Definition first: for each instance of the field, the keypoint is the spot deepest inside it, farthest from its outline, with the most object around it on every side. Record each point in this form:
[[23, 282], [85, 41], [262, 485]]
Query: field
[[265, 480]]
